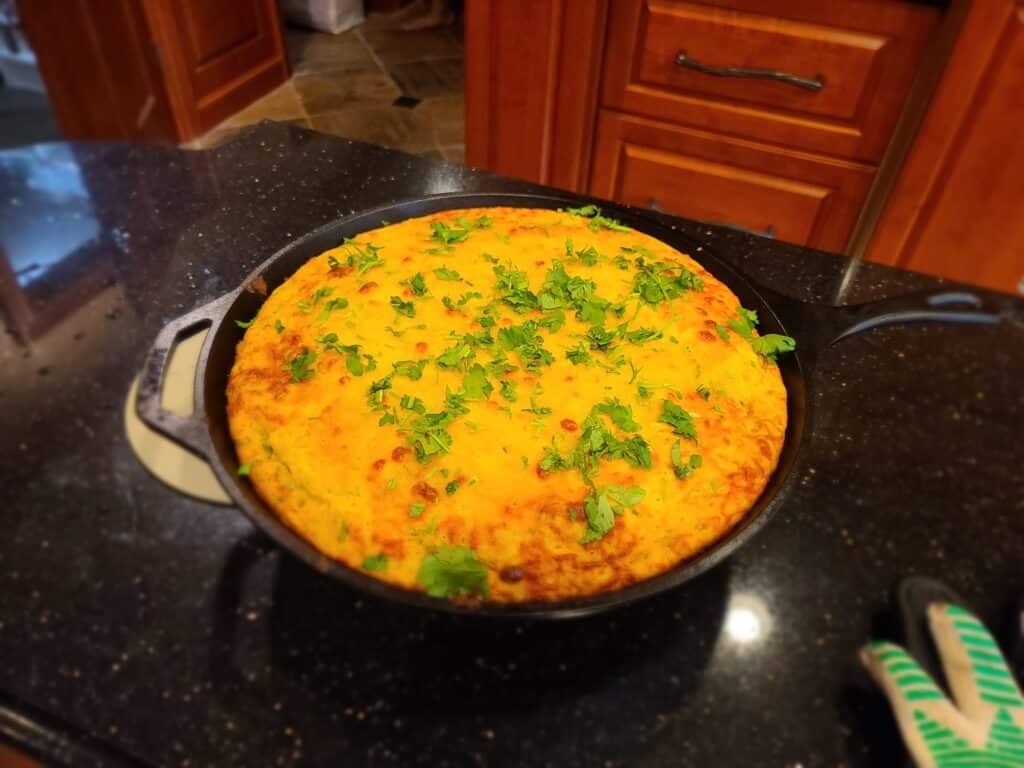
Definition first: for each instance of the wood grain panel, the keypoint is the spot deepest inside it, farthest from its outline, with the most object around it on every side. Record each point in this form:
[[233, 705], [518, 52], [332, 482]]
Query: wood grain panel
[[958, 207], [801, 198], [531, 87], [218, 56], [866, 51], [101, 73]]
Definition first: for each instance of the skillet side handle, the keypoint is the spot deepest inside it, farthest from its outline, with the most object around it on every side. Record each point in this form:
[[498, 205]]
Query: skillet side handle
[[926, 306], [189, 432]]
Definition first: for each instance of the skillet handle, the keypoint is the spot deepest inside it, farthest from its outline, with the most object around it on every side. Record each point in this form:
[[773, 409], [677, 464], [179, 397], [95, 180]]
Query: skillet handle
[[931, 306], [190, 431]]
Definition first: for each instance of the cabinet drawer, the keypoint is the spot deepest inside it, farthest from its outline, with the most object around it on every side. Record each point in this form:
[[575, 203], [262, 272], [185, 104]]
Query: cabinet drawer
[[860, 56], [794, 196]]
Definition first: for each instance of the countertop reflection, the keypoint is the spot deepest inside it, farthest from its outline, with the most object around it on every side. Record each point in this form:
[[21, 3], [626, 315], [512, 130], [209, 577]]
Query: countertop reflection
[[168, 632]]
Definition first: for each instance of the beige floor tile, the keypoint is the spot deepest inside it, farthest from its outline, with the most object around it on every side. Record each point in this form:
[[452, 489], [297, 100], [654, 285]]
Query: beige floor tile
[[405, 129], [310, 52], [282, 103], [447, 116], [433, 77], [399, 47], [333, 91]]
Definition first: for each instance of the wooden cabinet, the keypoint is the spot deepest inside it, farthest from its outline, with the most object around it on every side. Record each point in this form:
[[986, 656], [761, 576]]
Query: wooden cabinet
[[791, 195], [153, 69], [826, 77], [772, 115]]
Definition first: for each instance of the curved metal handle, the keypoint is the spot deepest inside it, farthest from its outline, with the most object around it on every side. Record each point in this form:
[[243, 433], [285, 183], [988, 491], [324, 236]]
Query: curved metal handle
[[942, 306], [189, 432], [810, 84]]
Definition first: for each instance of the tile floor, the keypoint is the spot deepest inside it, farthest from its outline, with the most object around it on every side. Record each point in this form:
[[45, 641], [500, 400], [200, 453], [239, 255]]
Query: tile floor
[[347, 84]]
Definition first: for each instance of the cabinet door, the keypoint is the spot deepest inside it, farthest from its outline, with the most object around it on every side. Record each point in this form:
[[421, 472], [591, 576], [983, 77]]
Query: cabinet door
[[101, 71], [790, 195], [218, 56]]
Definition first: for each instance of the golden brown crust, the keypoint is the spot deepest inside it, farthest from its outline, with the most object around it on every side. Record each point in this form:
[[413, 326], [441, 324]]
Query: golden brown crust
[[355, 489]]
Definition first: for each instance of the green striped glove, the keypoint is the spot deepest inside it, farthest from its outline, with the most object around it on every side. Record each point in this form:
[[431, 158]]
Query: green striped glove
[[986, 727]]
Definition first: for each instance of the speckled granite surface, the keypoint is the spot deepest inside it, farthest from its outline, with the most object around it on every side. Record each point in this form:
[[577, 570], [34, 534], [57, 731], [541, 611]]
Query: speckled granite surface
[[164, 630]]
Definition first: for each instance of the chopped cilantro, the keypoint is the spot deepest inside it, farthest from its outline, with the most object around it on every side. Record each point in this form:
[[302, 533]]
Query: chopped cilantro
[[332, 261], [468, 297], [418, 285], [314, 299], [244, 470], [244, 323], [597, 221], [452, 487], [513, 288], [771, 345], [447, 236], [279, 326], [412, 403], [362, 256], [416, 508], [299, 366], [443, 273], [562, 290], [703, 391], [621, 414], [486, 321], [744, 323], [527, 343], [456, 355], [659, 281], [375, 562], [683, 469], [601, 338], [642, 335], [411, 369], [375, 394], [722, 331], [330, 306], [579, 355], [453, 572], [554, 320], [342, 531], [679, 419], [403, 307], [508, 390], [475, 385], [602, 506]]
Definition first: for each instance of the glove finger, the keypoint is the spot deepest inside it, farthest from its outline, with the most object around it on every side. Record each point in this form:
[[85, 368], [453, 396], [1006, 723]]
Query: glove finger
[[928, 721], [977, 673]]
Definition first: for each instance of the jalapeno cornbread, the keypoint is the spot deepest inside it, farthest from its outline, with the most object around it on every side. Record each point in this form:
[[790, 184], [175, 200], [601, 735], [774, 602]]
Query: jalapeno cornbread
[[507, 404]]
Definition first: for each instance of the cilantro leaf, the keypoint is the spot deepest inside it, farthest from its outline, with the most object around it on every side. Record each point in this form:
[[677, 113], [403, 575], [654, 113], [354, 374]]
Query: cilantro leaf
[[659, 281], [245, 323], [513, 288], [452, 487], [443, 273], [362, 256], [330, 306], [683, 469], [411, 369], [453, 572], [403, 307], [314, 299], [279, 326], [722, 331], [375, 562], [475, 385], [642, 335], [456, 355], [244, 470], [508, 390], [771, 345], [679, 419], [299, 366], [744, 323], [527, 343], [621, 414], [416, 508], [597, 221], [418, 285], [703, 391], [579, 355]]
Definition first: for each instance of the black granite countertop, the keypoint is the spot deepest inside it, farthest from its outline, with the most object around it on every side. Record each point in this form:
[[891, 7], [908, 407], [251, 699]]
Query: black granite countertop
[[146, 625]]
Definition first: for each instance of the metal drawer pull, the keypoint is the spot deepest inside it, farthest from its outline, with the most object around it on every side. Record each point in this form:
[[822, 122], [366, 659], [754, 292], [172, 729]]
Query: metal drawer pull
[[766, 74]]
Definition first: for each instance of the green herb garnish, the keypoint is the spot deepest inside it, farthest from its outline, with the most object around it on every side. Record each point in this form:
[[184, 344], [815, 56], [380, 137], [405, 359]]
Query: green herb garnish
[[411, 369], [453, 572], [245, 323], [475, 385], [330, 306], [405, 308], [443, 273], [375, 562], [244, 470], [314, 299], [416, 508], [771, 345], [703, 391], [279, 326], [362, 256], [679, 419], [683, 469], [508, 390], [300, 365]]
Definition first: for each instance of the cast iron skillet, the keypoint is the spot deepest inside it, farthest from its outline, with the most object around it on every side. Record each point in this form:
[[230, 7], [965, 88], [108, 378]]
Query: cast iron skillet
[[813, 326]]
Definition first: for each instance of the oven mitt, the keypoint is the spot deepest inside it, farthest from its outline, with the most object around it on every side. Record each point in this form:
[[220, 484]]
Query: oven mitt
[[985, 729]]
